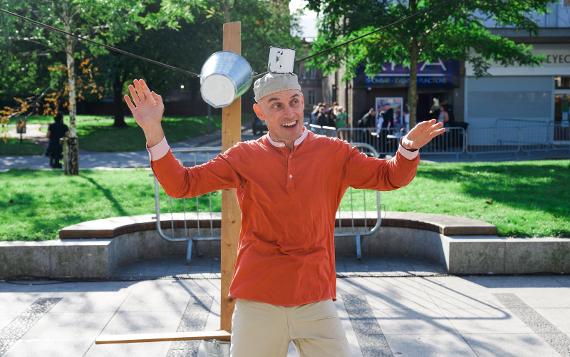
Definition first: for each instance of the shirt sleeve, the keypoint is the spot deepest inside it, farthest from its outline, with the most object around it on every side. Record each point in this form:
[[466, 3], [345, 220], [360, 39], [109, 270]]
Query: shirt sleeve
[[362, 171], [179, 181]]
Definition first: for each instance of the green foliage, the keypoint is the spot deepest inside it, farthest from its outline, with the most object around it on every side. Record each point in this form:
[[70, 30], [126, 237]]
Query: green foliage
[[453, 30], [108, 22]]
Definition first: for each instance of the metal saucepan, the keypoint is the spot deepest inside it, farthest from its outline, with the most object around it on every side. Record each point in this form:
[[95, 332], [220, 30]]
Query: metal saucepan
[[225, 76]]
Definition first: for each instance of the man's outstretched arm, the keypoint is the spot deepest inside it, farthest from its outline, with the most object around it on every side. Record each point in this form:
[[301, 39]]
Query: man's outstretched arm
[[370, 173], [178, 181]]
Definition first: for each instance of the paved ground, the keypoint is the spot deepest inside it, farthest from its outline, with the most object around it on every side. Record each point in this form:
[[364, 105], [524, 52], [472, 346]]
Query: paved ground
[[388, 308]]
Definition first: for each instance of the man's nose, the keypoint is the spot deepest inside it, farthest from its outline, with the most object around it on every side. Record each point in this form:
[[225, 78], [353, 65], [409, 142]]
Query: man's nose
[[288, 111]]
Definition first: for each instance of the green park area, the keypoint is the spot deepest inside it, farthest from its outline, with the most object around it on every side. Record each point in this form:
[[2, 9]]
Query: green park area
[[523, 199], [97, 133]]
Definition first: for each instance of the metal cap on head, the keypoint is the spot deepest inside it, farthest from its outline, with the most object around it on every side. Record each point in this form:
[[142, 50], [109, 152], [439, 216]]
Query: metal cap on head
[[275, 82]]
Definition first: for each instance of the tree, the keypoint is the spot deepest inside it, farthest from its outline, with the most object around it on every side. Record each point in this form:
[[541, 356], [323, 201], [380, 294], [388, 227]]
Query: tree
[[191, 44], [446, 29], [92, 19]]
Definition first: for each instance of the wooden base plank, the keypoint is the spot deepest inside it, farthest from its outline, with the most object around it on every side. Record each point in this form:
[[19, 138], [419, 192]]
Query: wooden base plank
[[221, 335]]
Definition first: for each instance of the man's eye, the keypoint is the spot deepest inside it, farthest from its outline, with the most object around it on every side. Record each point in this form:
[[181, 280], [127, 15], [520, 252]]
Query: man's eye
[[276, 106]]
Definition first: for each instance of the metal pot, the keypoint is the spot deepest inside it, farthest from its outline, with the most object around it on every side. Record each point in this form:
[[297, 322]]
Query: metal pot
[[225, 76]]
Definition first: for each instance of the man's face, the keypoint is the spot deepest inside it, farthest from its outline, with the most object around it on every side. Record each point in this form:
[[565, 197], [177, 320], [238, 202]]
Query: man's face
[[283, 113]]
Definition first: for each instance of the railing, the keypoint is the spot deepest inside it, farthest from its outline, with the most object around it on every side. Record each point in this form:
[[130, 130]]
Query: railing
[[386, 141], [508, 136], [173, 215]]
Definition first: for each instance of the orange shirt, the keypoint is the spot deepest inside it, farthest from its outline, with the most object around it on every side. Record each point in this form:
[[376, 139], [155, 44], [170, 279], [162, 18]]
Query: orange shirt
[[288, 200]]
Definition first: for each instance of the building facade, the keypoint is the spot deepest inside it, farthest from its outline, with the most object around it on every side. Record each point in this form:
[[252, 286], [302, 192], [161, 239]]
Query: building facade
[[525, 96]]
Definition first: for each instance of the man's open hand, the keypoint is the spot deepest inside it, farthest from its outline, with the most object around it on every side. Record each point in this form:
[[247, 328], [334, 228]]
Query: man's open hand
[[146, 106], [422, 133]]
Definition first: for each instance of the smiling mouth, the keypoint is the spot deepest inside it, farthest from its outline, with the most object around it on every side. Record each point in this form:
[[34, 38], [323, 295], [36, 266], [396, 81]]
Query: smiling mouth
[[290, 124]]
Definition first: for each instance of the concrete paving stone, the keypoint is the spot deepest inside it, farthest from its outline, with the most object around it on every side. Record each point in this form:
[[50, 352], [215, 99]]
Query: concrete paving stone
[[507, 345], [11, 303], [478, 304], [347, 326], [131, 322], [89, 302], [54, 287], [157, 297], [545, 297], [489, 321], [49, 348], [154, 349], [193, 319], [411, 322], [396, 293], [367, 329], [552, 335], [559, 317], [68, 325], [441, 345], [515, 281], [6, 318]]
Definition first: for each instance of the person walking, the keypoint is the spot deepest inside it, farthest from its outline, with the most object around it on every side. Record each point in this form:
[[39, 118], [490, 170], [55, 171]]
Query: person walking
[[56, 131]]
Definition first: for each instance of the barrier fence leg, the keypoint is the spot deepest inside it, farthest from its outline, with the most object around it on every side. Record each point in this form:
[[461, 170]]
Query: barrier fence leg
[[358, 246], [189, 251]]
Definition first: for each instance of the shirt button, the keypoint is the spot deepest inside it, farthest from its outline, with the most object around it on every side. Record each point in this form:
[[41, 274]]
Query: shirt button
[[290, 176]]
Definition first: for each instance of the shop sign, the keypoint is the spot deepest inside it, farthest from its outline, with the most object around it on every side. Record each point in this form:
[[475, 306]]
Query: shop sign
[[430, 74]]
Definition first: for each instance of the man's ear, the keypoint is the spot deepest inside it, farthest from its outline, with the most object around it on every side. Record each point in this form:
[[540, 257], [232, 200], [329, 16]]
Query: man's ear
[[258, 111]]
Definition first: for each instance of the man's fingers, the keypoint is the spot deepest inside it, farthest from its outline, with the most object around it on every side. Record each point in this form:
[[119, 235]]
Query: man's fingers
[[134, 94], [129, 103], [435, 133], [157, 98], [146, 90], [140, 89]]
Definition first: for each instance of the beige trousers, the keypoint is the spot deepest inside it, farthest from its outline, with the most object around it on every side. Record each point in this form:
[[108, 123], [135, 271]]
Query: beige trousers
[[265, 330]]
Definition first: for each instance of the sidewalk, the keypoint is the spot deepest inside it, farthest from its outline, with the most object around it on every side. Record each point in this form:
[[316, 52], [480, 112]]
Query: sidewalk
[[388, 308], [93, 160]]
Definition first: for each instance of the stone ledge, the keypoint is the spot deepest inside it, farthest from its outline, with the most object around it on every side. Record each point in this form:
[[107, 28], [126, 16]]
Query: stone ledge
[[116, 226], [96, 249]]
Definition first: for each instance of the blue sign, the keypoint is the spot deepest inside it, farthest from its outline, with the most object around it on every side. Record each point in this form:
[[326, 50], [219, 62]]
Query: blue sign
[[435, 74]]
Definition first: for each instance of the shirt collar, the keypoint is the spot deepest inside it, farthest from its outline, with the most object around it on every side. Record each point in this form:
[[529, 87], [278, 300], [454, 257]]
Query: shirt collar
[[297, 142]]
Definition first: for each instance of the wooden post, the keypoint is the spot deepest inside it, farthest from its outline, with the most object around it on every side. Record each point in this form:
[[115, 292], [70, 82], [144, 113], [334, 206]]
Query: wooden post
[[231, 213], [231, 225]]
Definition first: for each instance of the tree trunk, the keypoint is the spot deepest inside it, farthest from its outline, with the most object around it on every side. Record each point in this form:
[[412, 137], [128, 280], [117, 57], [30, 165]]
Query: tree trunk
[[118, 102], [413, 86], [73, 149]]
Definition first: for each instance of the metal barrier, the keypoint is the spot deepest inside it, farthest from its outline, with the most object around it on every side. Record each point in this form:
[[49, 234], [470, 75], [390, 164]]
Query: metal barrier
[[518, 138], [323, 130], [386, 141], [189, 157], [172, 220], [361, 222]]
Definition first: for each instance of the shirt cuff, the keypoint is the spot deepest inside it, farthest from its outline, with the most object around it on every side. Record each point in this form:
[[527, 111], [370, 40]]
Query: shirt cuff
[[410, 155], [159, 150]]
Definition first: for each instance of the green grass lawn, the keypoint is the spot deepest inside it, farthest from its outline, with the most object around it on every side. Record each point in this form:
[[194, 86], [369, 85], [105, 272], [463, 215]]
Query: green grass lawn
[[523, 199], [13, 147], [96, 133]]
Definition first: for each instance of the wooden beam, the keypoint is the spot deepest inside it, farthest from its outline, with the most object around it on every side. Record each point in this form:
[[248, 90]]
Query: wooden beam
[[231, 213], [162, 337]]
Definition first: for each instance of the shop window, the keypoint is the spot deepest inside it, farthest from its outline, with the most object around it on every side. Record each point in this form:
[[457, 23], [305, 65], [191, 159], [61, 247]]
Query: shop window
[[311, 97], [562, 82]]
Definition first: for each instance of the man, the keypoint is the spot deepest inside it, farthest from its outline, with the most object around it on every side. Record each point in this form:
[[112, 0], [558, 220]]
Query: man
[[55, 132], [368, 120], [289, 185]]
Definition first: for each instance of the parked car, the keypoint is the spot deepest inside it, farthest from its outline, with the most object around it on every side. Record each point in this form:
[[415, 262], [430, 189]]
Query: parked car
[[258, 126]]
